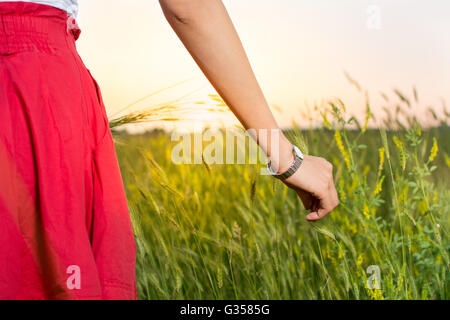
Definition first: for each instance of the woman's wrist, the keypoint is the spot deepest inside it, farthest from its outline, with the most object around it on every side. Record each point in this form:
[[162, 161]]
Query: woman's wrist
[[281, 155], [278, 148]]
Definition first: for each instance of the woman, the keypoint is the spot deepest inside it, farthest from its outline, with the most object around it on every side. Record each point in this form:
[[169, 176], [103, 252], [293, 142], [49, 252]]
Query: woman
[[65, 227]]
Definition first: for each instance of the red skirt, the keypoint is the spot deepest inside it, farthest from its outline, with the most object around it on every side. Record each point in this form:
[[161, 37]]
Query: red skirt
[[65, 229]]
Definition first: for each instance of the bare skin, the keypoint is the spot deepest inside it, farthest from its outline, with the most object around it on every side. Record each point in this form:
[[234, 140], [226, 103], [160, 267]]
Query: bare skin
[[207, 32]]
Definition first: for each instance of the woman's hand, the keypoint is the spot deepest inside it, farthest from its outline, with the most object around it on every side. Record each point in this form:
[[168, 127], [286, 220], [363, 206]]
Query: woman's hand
[[314, 184]]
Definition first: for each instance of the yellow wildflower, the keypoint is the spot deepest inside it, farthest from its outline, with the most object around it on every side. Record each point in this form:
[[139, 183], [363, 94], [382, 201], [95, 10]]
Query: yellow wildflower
[[379, 187], [400, 147], [340, 144], [403, 196], [366, 211], [376, 294], [422, 207], [340, 253], [360, 260], [434, 150], [353, 228], [381, 155]]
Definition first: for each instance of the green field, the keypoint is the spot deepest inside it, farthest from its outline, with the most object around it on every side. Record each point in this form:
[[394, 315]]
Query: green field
[[227, 232]]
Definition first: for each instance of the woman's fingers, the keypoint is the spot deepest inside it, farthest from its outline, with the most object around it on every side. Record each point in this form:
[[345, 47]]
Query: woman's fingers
[[327, 202], [324, 208], [307, 199], [314, 184]]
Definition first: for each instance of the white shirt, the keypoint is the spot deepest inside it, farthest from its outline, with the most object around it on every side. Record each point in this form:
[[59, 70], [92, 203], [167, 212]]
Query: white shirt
[[70, 6]]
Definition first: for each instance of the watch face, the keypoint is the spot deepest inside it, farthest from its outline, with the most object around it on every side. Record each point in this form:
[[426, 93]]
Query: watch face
[[298, 152], [271, 171]]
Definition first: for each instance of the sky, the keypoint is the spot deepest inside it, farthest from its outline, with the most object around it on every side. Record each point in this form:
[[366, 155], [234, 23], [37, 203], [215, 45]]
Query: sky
[[299, 49]]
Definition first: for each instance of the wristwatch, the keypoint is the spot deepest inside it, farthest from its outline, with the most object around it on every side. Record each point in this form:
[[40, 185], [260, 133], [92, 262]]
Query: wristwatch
[[292, 169]]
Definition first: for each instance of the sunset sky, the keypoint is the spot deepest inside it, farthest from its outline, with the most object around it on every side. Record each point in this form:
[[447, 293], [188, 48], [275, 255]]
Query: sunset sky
[[299, 50]]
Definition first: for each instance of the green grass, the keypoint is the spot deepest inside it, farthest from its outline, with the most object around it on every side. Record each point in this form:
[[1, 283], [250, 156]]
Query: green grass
[[226, 232]]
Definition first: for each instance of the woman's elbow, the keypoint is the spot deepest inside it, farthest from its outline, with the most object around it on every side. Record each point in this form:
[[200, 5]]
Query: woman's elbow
[[178, 10], [182, 11]]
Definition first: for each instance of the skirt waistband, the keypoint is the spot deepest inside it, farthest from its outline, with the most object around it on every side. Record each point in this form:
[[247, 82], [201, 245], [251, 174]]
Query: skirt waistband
[[28, 26]]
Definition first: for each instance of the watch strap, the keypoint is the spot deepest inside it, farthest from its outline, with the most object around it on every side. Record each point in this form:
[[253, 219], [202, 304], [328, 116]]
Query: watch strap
[[292, 169]]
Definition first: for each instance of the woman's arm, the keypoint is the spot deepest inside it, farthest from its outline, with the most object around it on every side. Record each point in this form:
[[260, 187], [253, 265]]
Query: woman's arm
[[207, 32]]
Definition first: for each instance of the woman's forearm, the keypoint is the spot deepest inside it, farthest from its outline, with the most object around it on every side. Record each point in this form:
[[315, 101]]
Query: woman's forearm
[[209, 35], [207, 32]]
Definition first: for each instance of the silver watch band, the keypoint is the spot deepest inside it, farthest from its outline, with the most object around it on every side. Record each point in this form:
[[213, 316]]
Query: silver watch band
[[292, 169]]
